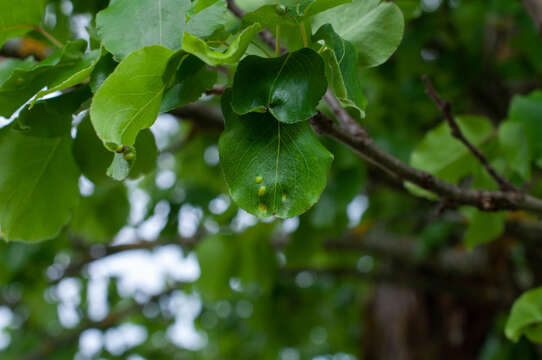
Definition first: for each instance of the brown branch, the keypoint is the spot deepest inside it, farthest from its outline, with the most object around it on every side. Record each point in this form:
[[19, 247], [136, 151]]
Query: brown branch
[[534, 8], [485, 200], [446, 109]]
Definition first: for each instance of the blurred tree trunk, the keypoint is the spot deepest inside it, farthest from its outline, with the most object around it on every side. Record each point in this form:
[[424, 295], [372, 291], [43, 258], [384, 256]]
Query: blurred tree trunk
[[407, 324]]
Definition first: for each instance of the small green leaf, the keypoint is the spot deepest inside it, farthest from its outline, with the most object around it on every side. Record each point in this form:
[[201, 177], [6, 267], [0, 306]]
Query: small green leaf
[[191, 81], [526, 110], [200, 5], [129, 25], [526, 317], [120, 167], [235, 51], [16, 19], [342, 72], [58, 70], [440, 154], [271, 168], [484, 227], [516, 148], [374, 27], [289, 86], [38, 174], [129, 100]]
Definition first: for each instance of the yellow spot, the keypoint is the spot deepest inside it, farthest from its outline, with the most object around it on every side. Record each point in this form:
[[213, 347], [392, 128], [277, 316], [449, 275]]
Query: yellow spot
[[261, 191], [259, 179], [262, 208], [284, 196]]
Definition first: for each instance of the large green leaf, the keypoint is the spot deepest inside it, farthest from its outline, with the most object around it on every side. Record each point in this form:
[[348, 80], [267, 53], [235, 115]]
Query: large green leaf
[[235, 51], [271, 168], [200, 5], [38, 174], [342, 72], [129, 25], [289, 86], [65, 68], [129, 100], [18, 18], [526, 317], [374, 27], [191, 80]]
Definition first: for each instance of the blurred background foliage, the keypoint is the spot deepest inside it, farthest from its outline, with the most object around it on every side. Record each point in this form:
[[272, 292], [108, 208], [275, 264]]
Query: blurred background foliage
[[167, 267]]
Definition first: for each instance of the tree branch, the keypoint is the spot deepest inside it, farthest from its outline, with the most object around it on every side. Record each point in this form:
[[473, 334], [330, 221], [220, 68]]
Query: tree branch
[[359, 141], [534, 8], [446, 109]]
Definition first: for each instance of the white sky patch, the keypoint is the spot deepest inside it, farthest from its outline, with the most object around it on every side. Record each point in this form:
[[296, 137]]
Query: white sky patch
[[6, 318], [185, 309], [68, 292], [355, 210], [124, 337], [242, 221], [151, 228], [163, 128], [189, 220], [90, 342]]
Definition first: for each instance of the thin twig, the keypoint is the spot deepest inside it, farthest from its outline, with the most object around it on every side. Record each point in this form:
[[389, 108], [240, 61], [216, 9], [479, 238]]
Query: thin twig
[[446, 109]]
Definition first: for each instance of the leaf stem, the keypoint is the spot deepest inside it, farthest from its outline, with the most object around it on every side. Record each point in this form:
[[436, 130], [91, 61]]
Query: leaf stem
[[48, 36], [277, 41], [304, 34]]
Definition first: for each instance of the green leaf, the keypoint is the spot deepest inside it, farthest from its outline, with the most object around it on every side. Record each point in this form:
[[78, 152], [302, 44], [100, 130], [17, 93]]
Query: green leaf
[[516, 148], [135, 162], [200, 5], [271, 168], [129, 100], [38, 174], [192, 79], [100, 216], [342, 72], [526, 110], [440, 154], [16, 19], [526, 317], [235, 51], [374, 27], [484, 227], [58, 70], [209, 20], [289, 86], [294, 12], [129, 25], [75, 73]]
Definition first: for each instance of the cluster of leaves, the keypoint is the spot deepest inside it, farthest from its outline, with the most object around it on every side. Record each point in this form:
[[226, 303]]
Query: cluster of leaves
[[273, 162]]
